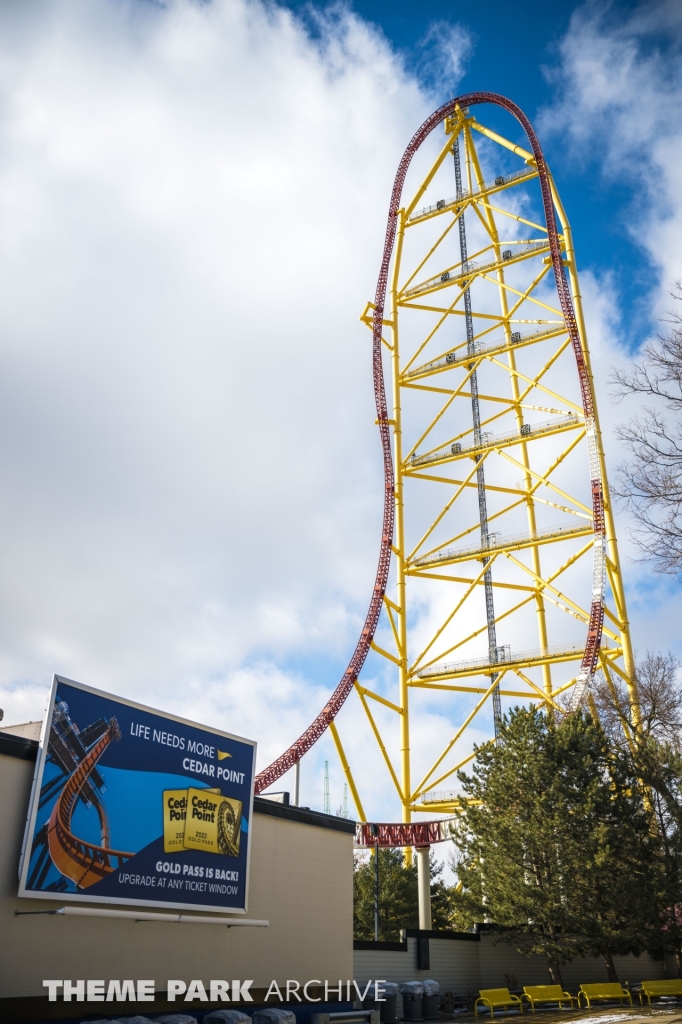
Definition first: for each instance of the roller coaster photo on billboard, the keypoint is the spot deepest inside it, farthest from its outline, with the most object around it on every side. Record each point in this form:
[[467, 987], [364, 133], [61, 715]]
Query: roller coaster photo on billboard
[[136, 806]]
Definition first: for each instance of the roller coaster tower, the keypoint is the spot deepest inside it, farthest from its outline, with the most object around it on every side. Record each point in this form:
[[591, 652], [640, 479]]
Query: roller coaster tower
[[497, 511]]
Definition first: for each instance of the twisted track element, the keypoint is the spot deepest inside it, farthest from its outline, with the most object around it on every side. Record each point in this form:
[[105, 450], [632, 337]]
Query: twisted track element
[[289, 758], [84, 863]]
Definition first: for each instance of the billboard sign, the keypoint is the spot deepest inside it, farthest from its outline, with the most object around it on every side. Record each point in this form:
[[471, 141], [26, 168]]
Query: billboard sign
[[135, 806]]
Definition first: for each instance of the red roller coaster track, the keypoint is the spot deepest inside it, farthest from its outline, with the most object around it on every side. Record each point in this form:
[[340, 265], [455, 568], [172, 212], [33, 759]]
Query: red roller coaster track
[[416, 833], [294, 753], [84, 863]]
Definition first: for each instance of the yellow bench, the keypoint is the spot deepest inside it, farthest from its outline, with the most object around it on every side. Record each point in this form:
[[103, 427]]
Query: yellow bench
[[604, 990], [546, 994], [492, 997], [669, 987]]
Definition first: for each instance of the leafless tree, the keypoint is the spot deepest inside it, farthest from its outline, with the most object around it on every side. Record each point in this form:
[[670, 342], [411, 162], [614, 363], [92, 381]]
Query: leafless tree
[[654, 712], [646, 729], [650, 482]]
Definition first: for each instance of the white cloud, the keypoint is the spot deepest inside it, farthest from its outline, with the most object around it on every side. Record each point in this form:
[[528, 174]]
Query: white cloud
[[442, 53], [193, 198], [619, 84]]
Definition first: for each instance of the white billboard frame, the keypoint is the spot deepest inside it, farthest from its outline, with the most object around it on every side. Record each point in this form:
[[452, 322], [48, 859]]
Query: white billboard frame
[[41, 761]]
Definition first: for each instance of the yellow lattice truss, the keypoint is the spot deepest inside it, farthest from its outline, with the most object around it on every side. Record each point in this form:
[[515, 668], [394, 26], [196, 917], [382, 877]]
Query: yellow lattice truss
[[526, 461]]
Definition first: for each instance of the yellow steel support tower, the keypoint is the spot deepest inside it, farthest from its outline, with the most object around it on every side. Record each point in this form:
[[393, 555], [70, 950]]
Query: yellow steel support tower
[[497, 562]]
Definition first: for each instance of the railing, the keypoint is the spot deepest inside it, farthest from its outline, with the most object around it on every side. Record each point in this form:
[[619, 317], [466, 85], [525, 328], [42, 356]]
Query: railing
[[488, 440], [471, 268], [440, 797], [496, 543], [454, 358], [461, 197], [91, 857], [539, 654]]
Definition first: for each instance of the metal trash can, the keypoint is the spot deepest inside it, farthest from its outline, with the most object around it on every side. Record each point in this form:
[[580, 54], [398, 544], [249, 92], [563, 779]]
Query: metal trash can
[[412, 993], [273, 1015], [176, 1018], [225, 1016], [387, 1005], [430, 1000]]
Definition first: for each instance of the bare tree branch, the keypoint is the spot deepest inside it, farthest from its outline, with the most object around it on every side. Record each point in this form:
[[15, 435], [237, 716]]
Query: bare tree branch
[[650, 482], [647, 730], [655, 713]]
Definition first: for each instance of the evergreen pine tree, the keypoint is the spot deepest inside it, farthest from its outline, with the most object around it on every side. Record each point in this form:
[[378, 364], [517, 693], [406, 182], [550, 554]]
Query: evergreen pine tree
[[554, 851], [398, 897]]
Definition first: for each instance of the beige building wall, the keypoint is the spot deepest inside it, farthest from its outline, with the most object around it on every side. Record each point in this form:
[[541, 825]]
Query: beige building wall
[[301, 881]]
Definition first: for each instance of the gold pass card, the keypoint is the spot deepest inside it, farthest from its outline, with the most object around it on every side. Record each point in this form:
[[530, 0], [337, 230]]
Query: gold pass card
[[174, 815], [213, 823]]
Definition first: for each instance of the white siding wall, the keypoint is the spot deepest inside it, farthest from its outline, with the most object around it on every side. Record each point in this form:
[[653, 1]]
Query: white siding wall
[[497, 960], [461, 966], [454, 964], [630, 968]]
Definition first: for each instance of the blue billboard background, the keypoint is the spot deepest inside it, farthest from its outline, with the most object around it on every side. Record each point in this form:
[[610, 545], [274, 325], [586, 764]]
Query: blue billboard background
[[97, 816]]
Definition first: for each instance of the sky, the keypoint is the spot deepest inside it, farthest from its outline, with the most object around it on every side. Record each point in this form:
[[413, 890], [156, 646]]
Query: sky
[[193, 200]]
